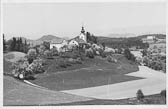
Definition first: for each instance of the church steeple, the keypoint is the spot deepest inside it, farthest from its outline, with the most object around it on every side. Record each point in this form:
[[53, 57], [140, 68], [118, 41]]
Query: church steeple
[[82, 31]]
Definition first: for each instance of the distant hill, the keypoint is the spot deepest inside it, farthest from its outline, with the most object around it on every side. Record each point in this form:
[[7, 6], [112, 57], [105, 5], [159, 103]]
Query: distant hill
[[126, 35], [47, 38], [127, 42], [102, 39], [160, 36]]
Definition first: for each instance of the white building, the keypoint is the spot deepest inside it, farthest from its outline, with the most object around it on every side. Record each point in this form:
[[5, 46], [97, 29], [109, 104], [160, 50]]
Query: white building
[[73, 43], [83, 35], [149, 39], [58, 43], [81, 39]]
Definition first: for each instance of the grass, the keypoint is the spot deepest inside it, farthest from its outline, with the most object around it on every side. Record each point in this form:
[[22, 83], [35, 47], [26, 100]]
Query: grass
[[17, 93], [92, 72], [7, 67], [13, 56], [148, 100]]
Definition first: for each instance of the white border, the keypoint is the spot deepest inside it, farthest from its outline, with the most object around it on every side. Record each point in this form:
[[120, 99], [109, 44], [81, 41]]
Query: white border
[[79, 106]]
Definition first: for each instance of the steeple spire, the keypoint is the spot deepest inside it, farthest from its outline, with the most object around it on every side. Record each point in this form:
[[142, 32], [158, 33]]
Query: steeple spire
[[83, 30]]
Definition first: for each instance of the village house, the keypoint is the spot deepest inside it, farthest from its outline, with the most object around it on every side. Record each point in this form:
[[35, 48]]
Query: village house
[[58, 43], [149, 39]]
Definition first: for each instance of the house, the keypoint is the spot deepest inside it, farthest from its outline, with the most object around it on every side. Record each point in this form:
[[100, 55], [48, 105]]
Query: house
[[58, 43], [149, 39]]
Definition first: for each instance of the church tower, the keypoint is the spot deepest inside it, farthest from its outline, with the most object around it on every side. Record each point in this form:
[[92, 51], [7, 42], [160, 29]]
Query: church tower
[[83, 35]]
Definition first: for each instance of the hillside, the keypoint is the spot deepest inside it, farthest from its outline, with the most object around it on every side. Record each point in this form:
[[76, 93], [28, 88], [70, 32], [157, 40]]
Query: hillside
[[126, 35], [47, 38], [159, 36]]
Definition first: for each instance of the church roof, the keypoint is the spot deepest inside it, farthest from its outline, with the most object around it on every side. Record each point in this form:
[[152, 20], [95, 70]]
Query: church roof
[[77, 39]]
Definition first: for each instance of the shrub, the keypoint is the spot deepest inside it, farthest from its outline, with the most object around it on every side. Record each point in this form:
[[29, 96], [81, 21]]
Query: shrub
[[89, 53], [163, 93], [139, 95], [78, 61], [48, 54], [62, 63], [103, 55], [23, 70], [128, 55], [54, 51], [72, 54], [111, 59], [31, 55]]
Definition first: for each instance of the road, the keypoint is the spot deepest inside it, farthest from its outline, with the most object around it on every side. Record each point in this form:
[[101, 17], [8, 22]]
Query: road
[[153, 83]]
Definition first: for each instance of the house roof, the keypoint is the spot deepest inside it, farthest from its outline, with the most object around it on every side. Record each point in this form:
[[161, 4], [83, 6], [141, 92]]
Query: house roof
[[77, 39], [56, 41]]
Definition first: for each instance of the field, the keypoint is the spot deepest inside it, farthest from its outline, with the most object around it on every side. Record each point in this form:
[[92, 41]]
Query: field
[[13, 56], [92, 72]]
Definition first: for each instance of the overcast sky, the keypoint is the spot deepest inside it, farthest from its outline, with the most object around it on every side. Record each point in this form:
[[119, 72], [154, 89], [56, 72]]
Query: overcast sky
[[34, 20]]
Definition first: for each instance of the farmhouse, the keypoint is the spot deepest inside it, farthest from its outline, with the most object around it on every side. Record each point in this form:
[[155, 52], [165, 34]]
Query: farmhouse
[[149, 39], [58, 43]]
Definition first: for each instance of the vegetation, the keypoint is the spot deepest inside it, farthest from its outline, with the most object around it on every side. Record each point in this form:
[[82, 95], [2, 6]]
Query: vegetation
[[128, 55], [91, 38], [4, 43], [122, 42], [89, 53], [23, 70], [139, 95], [16, 44], [31, 55], [156, 62]]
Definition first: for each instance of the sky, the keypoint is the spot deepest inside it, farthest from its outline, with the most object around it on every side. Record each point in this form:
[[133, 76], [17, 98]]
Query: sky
[[33, 20]]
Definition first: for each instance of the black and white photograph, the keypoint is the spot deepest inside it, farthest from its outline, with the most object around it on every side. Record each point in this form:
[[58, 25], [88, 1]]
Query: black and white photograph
[[83, 53]]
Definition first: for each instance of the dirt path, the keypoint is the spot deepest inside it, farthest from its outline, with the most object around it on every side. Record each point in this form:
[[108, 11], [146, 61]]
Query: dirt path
[[153, 83], [19, 93]]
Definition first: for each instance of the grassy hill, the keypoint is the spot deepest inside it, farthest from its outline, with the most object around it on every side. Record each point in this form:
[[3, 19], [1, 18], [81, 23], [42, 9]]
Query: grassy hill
[[159, 36], [126, 42]]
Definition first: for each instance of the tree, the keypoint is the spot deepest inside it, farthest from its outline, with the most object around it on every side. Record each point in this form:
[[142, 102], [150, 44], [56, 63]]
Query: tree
[[54, 51], [91, 38], [4, 43], [140, 94], [103, 44], [48, 54], [13, 44], [144, 52], [31, 55], [47, 45], [128, 55]]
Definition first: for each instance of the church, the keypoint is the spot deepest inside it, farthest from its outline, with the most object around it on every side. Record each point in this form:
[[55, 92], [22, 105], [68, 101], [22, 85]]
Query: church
[[81, 39], [83, 35]]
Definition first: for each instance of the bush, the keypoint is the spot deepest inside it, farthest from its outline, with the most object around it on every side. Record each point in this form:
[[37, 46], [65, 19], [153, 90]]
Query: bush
[[111, 59], [62, 64], [48, 54], [23, 70], [78, 61], [89, 53], [54, 51], [73, 54], [128, 55], [31, 55], [139, 95], [163, 93]]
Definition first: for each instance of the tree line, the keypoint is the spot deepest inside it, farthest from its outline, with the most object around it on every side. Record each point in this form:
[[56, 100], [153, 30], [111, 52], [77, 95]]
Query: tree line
[[15, 44]]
